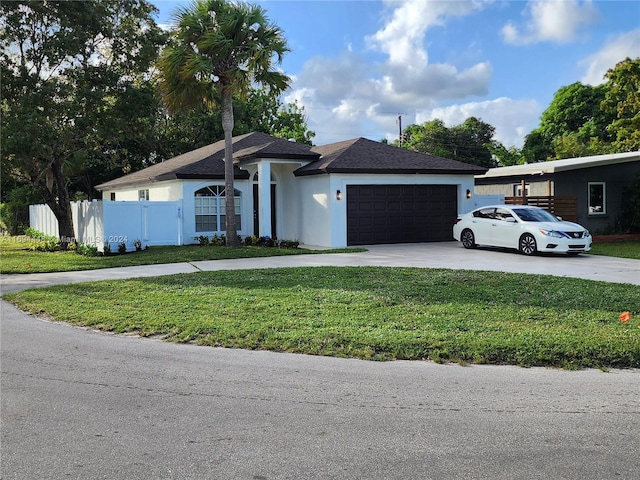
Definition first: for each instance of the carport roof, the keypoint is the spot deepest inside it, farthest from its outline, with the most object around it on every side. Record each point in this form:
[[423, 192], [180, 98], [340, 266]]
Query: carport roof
[[567, 164]]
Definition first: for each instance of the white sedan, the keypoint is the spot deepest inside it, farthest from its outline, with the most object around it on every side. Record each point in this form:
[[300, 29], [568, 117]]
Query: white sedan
[[525, 228]]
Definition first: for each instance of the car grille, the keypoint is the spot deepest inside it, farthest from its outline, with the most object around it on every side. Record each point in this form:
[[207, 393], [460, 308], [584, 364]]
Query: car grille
[[574, 234], [577, 246]]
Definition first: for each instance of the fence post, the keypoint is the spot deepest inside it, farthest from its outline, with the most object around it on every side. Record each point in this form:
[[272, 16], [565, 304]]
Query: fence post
[[94, 214]]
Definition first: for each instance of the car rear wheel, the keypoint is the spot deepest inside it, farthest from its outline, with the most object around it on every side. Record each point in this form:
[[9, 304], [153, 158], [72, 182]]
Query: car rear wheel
[[528, 244], [467, 239]]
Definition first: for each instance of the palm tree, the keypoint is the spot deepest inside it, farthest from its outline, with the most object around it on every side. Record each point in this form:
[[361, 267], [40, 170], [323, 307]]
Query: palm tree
[[220, 49]]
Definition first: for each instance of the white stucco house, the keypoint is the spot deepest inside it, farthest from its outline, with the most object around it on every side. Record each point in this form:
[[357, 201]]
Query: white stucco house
[[355, 192]]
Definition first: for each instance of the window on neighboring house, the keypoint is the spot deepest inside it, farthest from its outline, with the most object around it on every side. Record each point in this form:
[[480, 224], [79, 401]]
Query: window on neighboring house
[[113, 196], [597, 198], [211, 209], [143, 194], [517, 190]]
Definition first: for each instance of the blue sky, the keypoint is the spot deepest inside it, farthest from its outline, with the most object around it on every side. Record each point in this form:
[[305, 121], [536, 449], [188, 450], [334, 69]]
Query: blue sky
[[356, 65]]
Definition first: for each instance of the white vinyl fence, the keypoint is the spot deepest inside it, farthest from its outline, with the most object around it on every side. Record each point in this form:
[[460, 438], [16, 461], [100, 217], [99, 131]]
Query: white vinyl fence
[[98, 223]]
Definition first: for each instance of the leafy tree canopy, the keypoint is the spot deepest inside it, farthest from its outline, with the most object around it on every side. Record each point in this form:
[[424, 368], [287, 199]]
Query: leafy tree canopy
[[259, 112], [622, 98], [72, 74], [584, 120], [470, 142]]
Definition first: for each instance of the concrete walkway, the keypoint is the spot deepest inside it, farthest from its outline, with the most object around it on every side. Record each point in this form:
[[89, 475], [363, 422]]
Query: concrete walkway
[[424, 255]]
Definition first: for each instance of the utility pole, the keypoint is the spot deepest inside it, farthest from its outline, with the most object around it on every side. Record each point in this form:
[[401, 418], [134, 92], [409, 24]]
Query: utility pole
[[400, 129]]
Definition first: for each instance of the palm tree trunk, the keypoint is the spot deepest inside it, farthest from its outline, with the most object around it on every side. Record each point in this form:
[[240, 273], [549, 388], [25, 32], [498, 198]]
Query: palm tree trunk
[[227, 126]]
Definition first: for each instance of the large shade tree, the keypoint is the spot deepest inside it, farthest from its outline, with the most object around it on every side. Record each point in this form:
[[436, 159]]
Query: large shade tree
[[220, 49], [67, 69]]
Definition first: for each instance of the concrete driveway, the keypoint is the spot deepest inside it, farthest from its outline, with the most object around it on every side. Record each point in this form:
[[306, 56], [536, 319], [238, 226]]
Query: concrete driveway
[[432, 255]]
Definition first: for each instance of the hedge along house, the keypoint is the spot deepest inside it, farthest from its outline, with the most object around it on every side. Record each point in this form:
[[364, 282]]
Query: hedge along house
[[355, 192], [596, 185]]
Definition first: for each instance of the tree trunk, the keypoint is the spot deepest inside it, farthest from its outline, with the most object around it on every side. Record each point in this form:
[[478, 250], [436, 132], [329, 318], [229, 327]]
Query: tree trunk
[[60, 205], [227, 126]]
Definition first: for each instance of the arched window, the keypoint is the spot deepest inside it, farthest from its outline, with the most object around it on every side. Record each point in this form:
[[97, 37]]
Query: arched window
[[211, 209]]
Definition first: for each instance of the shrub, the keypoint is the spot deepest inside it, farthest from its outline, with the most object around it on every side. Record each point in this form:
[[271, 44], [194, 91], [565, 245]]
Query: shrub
[[122, 248], [218, 241], [107, 248], [138, 245], [90, 250], [41, 242], [289, 244], [33, 233], [14, 211], [202, 239]]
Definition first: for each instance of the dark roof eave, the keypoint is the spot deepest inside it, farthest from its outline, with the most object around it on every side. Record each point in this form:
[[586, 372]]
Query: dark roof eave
[[242, 175], [391, 171], [138, 181], [302, 158]]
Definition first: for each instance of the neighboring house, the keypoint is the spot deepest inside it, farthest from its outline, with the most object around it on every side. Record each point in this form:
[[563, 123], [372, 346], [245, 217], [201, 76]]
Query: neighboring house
[[355, 192], [597, 183]]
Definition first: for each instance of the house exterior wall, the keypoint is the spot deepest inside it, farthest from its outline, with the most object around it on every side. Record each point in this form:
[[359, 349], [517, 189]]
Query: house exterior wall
[[575, 182], [288, 208], [168, 191], [307, 209], [314, 214], [615, 177], [536, 185], [324, 221]]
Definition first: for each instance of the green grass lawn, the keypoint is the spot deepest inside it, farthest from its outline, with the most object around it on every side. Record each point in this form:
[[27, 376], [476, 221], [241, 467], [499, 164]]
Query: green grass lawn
[[15, 256], [617, 249], [372, 313]]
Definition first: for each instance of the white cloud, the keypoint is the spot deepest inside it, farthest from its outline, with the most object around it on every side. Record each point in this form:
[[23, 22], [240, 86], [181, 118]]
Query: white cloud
[[558, 21], [615, 50], [512, 119], [402, 38], [347, 94], [344, 93]]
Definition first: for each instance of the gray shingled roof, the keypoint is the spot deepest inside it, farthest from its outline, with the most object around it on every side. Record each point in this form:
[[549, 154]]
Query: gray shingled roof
[[208, 162], [359, 155]]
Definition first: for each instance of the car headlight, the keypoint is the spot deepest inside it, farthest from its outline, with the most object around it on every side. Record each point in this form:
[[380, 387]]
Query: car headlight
[[552, 233]]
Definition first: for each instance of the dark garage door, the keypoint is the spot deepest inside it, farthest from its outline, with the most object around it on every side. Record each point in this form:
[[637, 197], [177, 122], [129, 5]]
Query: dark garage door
[[400, 213]]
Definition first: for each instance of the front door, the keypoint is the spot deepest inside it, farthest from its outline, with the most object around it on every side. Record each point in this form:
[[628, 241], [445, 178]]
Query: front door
[[256, 209]]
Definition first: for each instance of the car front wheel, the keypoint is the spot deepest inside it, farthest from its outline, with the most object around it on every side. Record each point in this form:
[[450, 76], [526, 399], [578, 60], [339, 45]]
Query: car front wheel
[[528, 244], [467, 239]]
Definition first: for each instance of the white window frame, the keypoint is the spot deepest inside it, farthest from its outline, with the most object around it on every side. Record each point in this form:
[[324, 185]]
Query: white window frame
[[143, 194], [517, 190], [593, 209], [213, 205]]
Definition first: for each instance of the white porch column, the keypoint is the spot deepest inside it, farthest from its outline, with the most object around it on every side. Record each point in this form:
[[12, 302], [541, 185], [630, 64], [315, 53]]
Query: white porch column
[[264, 195]]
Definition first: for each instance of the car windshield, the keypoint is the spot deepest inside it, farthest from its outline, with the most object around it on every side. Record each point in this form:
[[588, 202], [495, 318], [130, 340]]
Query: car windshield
[[534, 215]]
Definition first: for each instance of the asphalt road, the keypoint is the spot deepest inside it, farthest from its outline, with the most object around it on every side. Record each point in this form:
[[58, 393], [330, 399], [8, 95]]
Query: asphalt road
[[79, 404]]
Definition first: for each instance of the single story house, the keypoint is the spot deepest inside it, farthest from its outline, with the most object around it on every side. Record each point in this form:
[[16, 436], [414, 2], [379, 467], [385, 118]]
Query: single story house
[[597, 184], [354, 192]]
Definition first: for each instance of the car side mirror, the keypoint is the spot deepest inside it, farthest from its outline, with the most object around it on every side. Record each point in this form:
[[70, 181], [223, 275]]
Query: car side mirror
[[510, 220], [559, 217]]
